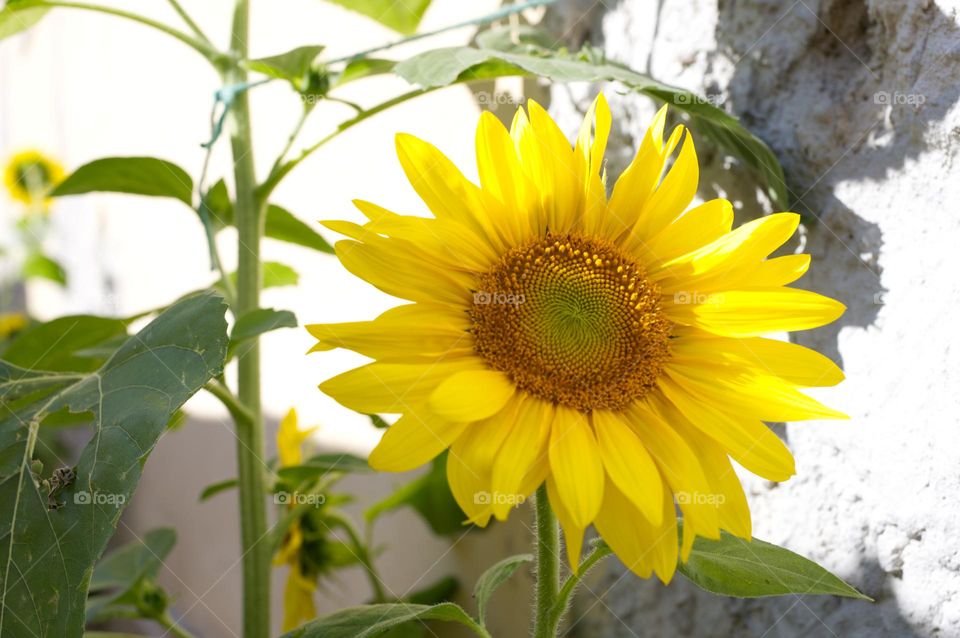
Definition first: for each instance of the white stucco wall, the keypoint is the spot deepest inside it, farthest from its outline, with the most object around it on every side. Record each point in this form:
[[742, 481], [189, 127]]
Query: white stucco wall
[[875, 499]]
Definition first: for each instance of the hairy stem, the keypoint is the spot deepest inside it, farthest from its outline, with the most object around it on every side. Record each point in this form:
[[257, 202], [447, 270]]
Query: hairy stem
[[249, 219], [548, 568]]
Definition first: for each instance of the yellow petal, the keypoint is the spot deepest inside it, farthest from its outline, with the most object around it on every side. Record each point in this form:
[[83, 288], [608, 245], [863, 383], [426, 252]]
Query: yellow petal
[[726, 491], [780, 271], [572, 533], [412, 331], [472, 395], [393, 387], [791, 362], [545, 143], [755, 312], [762, 396], [672, 196], [629, 465], [470, 463], [290, 439], [502, 176], [415, 439], [642, 547], [398, 270], [748, 441], [724, 261], [575, 465], [523, 451], [443, 188], [696, 228]]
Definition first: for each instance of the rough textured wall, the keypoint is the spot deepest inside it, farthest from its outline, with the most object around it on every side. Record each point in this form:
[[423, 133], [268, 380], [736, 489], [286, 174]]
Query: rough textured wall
[[859, 100]]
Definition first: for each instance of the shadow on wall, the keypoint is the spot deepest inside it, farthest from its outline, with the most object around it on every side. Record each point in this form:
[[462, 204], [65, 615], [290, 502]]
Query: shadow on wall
[[690, 611]]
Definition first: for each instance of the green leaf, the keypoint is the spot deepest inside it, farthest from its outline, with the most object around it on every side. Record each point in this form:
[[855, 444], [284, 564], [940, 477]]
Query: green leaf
[[257, 322], [514, 39], [215, 488], [39, 265], [403, 17], [282, 225], [440, 67], [378, 421], [14, 18], [134, 175], [363, 68], [62, 345], [439, 592], [495, 576], [732, 566], [430, 495], [49, 543], [366, 621], [294, 65]]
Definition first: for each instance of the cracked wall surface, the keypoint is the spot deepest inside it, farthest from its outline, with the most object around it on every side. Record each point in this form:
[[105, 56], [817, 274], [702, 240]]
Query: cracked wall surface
[[858, 99]]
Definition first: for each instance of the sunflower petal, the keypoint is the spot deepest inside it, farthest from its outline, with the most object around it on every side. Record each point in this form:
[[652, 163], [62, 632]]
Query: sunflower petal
[[576, 465], [521, 454], [572, 533], [472, 395], [415, 439], [629, 465]]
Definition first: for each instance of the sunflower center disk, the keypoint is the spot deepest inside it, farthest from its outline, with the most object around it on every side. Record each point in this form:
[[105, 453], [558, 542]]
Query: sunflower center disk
[[572, 320]]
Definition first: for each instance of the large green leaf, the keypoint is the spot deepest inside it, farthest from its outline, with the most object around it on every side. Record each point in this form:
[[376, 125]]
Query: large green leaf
[[402, 16], [360, 68], [495, 576], [441, 67], [134, 175], [63, 344], [19, 16], [367, 621], [732, 566], [50, 541]]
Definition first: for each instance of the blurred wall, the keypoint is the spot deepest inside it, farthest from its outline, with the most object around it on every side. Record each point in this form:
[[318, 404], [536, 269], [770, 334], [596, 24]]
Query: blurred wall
[[858, 98]]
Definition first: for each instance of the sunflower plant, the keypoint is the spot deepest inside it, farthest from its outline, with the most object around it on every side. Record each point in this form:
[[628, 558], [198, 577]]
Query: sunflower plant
[[594, 345]]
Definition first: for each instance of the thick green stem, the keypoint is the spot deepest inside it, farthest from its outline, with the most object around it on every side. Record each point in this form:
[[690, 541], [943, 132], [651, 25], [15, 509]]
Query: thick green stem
[[251, 467], [548, 568]]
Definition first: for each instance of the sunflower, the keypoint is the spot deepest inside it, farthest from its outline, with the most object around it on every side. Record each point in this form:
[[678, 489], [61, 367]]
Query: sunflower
[[11, 323], [30, 176], [610, 347]]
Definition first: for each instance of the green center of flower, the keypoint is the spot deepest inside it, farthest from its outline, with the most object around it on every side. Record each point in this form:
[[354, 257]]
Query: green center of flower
[[572, 320]]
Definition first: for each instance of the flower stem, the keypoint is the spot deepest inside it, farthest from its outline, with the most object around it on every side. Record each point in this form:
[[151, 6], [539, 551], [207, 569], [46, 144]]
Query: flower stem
[[548, 568], [251, 467]]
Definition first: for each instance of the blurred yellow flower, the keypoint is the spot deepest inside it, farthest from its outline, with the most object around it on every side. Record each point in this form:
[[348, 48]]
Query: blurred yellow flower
[[290, 439], [30, 176], [609, 347], [11, 322], [298, 603]]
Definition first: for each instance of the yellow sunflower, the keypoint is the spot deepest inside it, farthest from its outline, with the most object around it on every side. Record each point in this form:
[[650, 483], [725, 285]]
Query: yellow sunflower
[[30, 176], [610, 347], [11, 323], [298, 593]]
